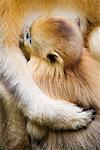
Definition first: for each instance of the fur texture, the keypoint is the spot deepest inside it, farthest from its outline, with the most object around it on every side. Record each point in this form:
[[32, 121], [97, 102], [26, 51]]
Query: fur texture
[[13, 134], [63, 69], [13, 67], [14, 16]]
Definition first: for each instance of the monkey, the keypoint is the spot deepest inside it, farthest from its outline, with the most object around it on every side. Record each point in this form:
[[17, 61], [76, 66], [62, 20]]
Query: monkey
[[60, 65], [13, 118], [14, 16], [15, 74], [13, 132]]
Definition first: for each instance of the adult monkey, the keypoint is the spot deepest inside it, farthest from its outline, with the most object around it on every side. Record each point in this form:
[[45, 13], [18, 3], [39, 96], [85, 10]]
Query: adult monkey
[[15, 75], [12, 62]]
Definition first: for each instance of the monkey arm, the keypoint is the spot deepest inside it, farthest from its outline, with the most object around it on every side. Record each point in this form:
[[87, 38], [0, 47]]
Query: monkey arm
[[34, 103], [17, 79]]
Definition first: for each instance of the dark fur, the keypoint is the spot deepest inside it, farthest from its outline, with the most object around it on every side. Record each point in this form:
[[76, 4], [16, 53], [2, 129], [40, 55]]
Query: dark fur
[[85, 139], [12, 125]]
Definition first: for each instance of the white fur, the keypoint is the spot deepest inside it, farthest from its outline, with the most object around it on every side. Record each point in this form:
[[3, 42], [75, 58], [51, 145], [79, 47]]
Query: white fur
[[35, 104], [39, 107], [30, 17]]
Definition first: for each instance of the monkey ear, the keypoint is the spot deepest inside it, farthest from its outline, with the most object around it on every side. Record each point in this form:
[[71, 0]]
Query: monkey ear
[[54, 57]]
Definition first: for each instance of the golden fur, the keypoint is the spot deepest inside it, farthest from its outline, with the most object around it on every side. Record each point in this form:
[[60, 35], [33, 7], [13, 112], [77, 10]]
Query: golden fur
[[64, 69], [13, 19], [13, 67], [72, 72]]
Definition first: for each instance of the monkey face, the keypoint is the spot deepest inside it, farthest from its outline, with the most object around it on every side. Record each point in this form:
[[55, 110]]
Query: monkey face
[[56, 40]]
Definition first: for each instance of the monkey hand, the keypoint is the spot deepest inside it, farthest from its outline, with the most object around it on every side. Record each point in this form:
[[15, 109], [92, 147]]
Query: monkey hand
[[78, 119]]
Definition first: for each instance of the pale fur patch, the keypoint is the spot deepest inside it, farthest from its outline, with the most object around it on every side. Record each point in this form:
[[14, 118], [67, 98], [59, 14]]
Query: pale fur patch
[[94, 43], [73, 15]]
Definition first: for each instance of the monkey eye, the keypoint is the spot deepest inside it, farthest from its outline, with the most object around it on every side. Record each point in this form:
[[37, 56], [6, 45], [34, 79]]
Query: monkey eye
[[52, 57]]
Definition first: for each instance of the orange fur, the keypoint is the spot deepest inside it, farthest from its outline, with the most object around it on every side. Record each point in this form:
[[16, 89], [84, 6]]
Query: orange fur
[[62, 68], [14, 15], [74, 76]]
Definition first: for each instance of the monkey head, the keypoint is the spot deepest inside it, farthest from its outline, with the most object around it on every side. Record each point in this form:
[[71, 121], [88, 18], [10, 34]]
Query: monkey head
[[56, 40], [59, 63]]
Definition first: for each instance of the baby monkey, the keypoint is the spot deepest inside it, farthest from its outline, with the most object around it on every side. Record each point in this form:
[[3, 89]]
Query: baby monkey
[[60, 65]]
